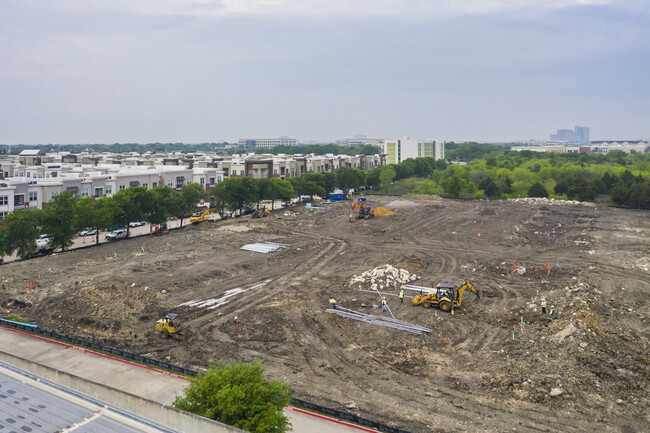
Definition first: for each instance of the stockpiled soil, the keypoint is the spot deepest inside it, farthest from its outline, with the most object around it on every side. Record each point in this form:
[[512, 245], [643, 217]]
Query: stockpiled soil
[[498, 364]]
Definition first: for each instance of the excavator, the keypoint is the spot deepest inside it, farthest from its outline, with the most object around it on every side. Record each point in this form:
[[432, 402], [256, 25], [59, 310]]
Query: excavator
[[444, 296], [364, 211], [201, 216]]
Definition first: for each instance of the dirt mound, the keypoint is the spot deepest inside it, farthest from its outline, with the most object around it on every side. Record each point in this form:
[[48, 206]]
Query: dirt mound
[[382, 211]]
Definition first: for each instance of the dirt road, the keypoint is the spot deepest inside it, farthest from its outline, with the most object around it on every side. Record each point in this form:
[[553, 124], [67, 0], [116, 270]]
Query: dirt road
[[498, 364]]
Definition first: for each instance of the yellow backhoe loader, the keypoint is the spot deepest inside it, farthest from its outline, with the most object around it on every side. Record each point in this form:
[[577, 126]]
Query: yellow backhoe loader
[[445, 296]]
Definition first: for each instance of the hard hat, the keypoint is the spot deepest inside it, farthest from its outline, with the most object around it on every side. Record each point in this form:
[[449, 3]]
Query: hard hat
[[552, 306]]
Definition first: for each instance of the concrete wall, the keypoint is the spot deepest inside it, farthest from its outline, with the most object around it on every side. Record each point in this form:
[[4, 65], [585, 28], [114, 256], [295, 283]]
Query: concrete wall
[[157, 412]]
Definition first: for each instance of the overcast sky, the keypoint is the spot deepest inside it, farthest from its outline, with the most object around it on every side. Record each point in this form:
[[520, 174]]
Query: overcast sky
[[91, 71]]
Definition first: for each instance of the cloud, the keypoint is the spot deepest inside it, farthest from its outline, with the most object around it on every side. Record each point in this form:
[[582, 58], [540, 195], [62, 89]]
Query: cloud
[[421, 9]]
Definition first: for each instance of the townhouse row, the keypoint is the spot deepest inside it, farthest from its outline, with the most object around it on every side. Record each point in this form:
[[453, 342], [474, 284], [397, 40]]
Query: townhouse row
[[32, 179]]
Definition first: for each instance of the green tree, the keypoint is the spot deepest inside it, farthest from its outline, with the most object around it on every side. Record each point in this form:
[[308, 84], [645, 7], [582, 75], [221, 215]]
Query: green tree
[[61, 221], [537, 190], [385, 178], [19, 232], [238, 395], [348, 178], [489, 187], [192, 193], [236, 193], [99, 214], [164, 202], [330, 182], [134, 204], [283, 189]]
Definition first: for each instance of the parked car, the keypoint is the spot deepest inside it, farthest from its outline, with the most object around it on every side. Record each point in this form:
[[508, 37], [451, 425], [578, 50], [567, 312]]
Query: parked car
[[88, 232], [137, 223], [305, 199], [43, 238], [116, 235]]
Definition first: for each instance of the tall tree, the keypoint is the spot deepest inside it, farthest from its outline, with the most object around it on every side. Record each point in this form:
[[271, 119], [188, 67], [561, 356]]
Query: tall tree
[[60, 219], [134, 204]]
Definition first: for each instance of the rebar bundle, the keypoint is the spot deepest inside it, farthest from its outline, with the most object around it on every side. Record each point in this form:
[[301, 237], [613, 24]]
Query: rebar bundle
[[378, 320]]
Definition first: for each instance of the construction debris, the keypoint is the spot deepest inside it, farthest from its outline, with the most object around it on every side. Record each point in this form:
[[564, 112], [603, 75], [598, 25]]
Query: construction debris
[[378, 320], [382, 211], [383, 277], [264, 247]]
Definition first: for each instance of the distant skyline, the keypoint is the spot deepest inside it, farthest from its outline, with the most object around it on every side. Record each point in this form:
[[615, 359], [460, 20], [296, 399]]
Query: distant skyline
[[95, 71]]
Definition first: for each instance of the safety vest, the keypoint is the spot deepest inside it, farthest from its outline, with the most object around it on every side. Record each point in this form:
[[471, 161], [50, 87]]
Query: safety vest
[[332, 301], [401, 294], [543, 302], [383, 302]]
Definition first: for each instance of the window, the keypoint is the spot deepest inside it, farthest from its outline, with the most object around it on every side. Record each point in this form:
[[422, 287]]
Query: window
[[109, 189], [169, 183], [212, 181], [84, 192], [3, 214], [54, 194], [29, 174], [155, 184], [121, 187], [202, 181], [4, 200], [188, 181], [179, 182], [218, 178], [145, 184], [242, 172], [33, 196], [40, 175]]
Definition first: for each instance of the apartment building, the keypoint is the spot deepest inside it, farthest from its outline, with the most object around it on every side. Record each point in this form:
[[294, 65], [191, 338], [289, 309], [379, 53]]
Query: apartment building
[[400, 149], [266, 143]]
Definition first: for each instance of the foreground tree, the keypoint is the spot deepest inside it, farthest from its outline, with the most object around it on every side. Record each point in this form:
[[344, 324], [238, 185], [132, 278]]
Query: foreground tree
[[237, 395]]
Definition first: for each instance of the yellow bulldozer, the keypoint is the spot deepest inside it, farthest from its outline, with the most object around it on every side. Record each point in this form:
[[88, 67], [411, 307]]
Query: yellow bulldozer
[[168, 326], [444, 296]]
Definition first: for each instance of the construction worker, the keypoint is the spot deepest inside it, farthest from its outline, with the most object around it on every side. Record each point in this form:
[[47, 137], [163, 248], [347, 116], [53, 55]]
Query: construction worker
[[552, 312], [235, 320], [383, 304], [543, 306], [333, 303], [401, 296]]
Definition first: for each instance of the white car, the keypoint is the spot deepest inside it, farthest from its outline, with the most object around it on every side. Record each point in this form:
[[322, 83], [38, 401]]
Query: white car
[[116, 235], [137, 224], [88, 232], [43, 238]]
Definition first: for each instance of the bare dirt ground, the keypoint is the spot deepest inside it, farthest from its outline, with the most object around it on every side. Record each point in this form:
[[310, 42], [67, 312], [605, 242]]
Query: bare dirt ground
[[469, 374]]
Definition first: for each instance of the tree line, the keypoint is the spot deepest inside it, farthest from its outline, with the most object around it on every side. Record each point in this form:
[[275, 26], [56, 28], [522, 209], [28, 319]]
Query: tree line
[[617, 177]]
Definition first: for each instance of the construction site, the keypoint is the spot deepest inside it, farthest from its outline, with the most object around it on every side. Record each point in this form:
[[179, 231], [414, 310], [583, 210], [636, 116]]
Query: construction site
[[485, 359]]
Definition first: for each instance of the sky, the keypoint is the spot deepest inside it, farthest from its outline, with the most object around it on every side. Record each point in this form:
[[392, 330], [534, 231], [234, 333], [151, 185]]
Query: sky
[[91, 71]]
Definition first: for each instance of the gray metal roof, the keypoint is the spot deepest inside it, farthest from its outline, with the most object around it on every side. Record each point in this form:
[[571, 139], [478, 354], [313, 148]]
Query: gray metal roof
[[32, 404]]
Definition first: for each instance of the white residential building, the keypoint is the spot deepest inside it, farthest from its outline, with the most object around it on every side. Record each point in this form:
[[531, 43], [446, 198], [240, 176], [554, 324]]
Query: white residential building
[[400, 149]]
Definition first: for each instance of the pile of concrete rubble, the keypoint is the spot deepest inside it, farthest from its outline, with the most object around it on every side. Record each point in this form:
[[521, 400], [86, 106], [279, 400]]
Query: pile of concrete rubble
[[383, 277]]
